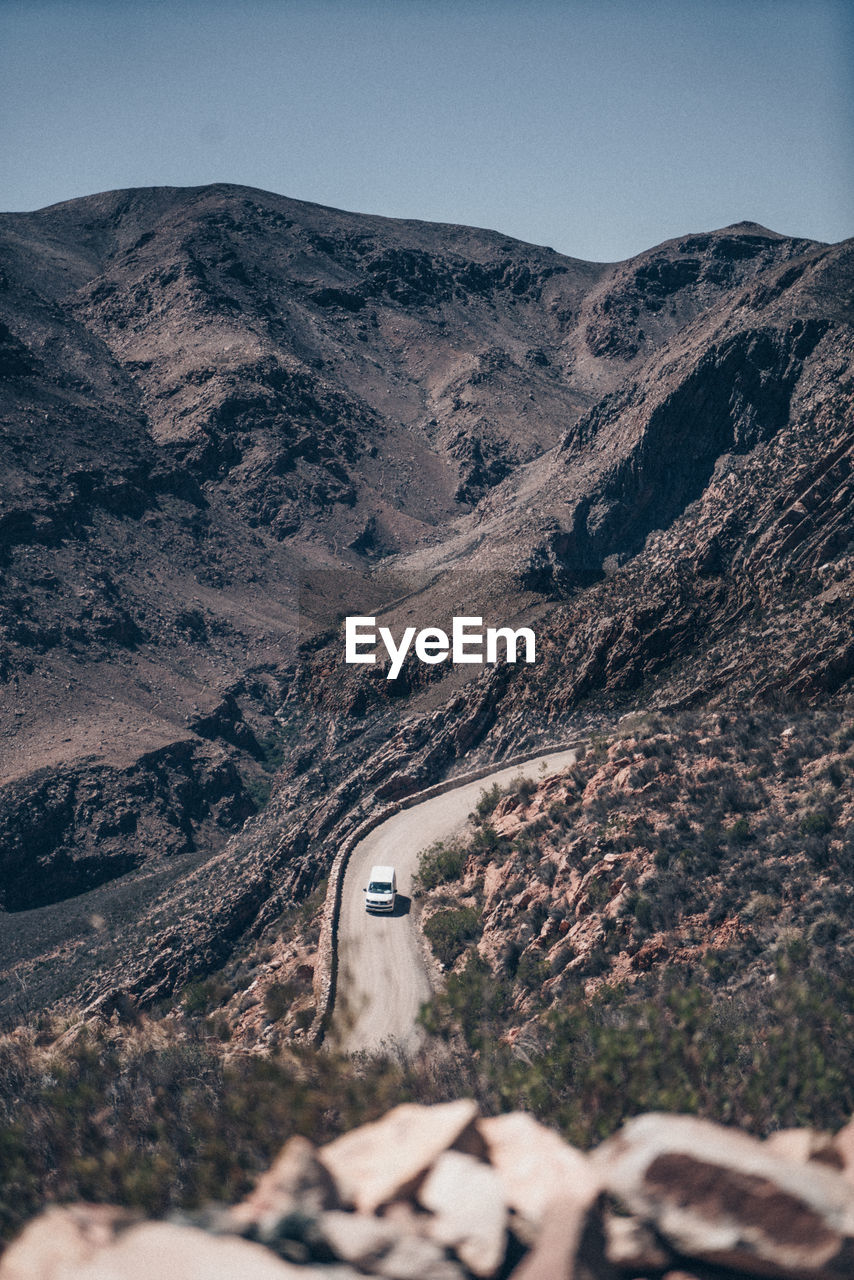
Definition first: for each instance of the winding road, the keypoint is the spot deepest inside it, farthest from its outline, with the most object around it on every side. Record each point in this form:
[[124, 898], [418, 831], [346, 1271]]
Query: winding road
[[382, 977]]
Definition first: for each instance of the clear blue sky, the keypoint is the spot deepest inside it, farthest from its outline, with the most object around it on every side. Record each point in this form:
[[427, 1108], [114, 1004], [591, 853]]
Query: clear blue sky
[[600, 129]]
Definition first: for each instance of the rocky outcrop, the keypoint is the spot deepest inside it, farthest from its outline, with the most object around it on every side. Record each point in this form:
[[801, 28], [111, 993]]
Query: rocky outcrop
[[65, 831], [437, 1193]]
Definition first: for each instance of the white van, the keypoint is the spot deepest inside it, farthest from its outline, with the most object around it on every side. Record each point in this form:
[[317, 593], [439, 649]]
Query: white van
[[381, 890]]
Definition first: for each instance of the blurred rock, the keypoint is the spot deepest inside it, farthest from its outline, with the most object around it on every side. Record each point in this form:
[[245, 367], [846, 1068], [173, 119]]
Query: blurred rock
[[152, 1249], [533, 1164], [466, 1198], [804, 1145], [381, 1162], [380, 1247], [62, 1238], [720, 1196], [844, 1144], [570, 1246], [704, 1203], [631, 1246], [296, 1184]]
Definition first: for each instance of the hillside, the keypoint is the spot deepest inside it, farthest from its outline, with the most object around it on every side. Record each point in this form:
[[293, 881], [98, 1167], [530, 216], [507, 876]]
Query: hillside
[[230, 417]]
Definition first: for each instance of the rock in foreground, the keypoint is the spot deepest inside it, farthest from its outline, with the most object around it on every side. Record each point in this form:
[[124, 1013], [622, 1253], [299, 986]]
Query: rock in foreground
[[437, 1193]]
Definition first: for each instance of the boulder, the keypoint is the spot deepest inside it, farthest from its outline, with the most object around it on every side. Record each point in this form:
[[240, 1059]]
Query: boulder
[[383, 1161], [381, 1248], [533, 1165], [144, 1251], [62, 1238], [844, 1144], [803, 1145], [722, 1197], [466, 1198], [414, 1258], [570, 1245], [630, 1245], [357, 1237], [297, 1183]]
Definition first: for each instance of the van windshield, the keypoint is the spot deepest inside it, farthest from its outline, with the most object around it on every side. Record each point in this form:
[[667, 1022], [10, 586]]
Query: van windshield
[[378, 886]]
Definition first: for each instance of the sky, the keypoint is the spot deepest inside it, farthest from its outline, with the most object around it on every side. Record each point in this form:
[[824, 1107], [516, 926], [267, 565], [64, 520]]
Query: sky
[[599, 129]]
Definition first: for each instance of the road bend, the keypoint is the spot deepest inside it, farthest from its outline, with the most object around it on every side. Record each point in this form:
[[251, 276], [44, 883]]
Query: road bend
[[382, 977]]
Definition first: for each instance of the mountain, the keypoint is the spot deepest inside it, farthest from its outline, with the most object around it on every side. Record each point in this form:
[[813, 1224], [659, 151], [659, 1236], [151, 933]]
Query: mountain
[[229, 418]]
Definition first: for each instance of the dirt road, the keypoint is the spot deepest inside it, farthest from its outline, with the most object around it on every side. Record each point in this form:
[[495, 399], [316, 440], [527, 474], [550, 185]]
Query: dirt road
[[382, 979]]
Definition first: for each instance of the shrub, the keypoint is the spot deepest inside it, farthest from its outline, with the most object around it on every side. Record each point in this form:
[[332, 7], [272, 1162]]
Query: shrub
[[815, 823], [167, 1128], [547, 873], [258, 789], [487, 801], [834, 773], [739, 832], [642, 910], [272, 746], [674, 1046], [598, 891], [475, 999], [532, 970], [524, 787], [206, 995], [526, 846], [440, 864], [277, 1000], [450, 931], [486, 839]]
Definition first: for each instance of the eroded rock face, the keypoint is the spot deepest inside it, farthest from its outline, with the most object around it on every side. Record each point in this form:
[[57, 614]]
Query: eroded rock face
[[208, 390], [68, 830]]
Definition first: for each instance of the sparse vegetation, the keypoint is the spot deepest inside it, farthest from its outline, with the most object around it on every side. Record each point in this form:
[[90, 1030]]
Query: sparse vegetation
[[721, 882], [816, 823], [278, 999], [670, 1044], [206, 995], [523, 787], [449, 932], [158, 1121], [440, 864], [716, 875], [258, 787], [487, 801]]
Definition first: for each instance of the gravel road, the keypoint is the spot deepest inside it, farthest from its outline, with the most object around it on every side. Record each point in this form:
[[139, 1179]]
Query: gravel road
[[382, 978]]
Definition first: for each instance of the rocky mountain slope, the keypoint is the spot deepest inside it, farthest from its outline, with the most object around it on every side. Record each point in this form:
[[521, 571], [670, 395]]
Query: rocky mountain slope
[[702, 850], [229, 417]]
